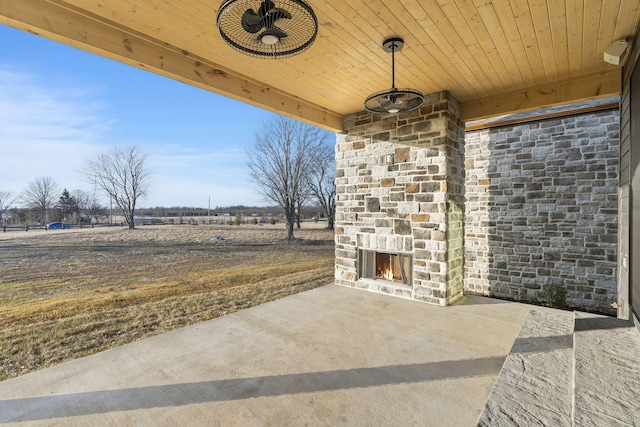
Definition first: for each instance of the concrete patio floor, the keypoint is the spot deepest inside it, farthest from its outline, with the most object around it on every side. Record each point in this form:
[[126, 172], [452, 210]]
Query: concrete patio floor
[[329, 356]]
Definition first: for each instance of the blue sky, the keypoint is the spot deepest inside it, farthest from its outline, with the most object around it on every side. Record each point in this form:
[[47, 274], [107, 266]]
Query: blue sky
[[60, 106]]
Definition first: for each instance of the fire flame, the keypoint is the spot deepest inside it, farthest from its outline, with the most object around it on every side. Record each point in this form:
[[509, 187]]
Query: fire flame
[[384, 265], [387, 273]]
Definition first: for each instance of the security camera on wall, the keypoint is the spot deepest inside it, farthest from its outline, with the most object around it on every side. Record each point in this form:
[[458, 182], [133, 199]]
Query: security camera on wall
[[616, 52]]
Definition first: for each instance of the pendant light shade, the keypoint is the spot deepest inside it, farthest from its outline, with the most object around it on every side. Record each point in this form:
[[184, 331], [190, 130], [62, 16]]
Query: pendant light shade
[[393, 101], [267, 28]]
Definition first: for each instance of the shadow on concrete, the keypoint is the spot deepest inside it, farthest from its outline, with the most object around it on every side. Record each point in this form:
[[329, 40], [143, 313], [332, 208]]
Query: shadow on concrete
[[477, 300], [542, 344], [593, 323], [129, 399]]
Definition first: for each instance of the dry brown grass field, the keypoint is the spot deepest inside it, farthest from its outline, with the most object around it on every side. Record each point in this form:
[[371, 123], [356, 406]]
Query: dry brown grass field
[[69, 293]]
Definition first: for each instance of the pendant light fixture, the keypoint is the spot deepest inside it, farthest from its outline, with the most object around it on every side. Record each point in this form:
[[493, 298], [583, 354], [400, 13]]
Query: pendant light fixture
[[267, 28], [393, 101]]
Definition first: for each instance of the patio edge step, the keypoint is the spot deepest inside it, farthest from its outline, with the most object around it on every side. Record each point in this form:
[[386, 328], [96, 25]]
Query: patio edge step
[[535, 383], [606, 375]]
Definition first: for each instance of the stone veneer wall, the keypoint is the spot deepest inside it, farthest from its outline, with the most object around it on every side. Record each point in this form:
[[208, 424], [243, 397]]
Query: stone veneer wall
[[413, 204], [542, 207]]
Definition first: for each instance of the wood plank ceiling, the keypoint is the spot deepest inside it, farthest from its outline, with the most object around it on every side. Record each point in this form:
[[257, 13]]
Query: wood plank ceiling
[[495, 56]]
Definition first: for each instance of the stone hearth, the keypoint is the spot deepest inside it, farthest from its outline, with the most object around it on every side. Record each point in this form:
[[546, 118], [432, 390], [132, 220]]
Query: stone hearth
[[400, 190]]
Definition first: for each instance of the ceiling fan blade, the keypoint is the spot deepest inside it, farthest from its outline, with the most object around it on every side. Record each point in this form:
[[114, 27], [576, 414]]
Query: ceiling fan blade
[[384, 101], [277, 13], [251, 22], [269, 20], [265, 7], [396, 99], [274, 31]]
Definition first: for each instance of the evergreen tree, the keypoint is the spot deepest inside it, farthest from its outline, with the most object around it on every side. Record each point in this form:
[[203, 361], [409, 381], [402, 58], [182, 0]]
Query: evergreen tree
[[67, 206]]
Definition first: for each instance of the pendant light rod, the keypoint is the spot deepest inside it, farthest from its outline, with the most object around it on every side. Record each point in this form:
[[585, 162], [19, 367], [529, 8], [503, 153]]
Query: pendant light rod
[[393, 68], [392, 46]]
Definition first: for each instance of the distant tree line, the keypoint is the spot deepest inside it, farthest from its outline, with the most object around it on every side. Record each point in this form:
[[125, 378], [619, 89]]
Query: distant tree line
[[42, 203], [178, 211], [292, 164], [119, 173], [311, 211]]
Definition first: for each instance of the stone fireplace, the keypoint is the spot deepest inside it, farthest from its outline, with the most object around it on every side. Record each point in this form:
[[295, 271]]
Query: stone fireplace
[[400, 193]]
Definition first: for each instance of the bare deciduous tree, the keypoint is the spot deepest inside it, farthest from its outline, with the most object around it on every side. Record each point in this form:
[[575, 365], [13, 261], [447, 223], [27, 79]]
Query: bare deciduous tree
[[82, 198], [94, 208], [280, 162], [86, 204], [122, 175], [41, 195], [322, 182], [301, 201], [7, 198]]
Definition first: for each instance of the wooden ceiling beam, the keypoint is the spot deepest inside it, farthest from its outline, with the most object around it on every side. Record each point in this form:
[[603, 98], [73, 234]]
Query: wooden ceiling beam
[[61, 22], [596, 86]]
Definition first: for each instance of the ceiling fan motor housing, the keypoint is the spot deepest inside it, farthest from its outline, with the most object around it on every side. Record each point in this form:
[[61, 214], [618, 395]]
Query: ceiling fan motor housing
[[394, 44]]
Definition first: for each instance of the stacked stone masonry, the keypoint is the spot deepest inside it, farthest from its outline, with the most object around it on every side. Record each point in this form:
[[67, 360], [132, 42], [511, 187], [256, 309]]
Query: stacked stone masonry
[[541, 207], [501, 212], [400, 188]]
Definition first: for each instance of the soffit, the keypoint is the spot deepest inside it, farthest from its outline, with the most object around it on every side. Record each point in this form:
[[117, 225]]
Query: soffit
[[494, 56]]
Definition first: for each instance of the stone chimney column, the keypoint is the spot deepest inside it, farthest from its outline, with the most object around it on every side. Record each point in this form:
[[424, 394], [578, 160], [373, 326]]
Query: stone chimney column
[[400, 188]]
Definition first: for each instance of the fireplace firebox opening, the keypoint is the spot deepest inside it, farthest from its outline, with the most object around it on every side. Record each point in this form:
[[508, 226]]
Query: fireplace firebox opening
[[387, 266]]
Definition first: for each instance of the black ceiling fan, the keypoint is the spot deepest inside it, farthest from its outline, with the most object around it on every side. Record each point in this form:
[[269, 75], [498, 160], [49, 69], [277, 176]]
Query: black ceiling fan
[[393, 100], [267, 28]]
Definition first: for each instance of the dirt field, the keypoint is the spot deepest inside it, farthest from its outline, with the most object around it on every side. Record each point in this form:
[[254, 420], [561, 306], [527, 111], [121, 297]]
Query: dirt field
[[69, 293]]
